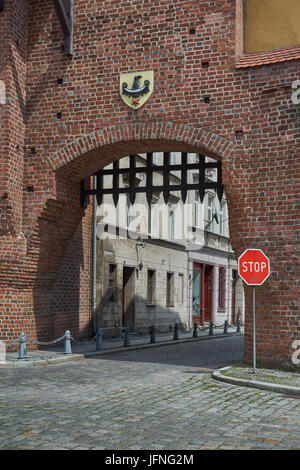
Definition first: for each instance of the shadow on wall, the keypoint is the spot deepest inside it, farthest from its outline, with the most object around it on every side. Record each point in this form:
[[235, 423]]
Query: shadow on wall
[[64, 302], [114, 316], [62, 291]]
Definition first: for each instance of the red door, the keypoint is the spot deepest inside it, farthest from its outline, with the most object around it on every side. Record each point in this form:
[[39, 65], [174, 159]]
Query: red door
[[207, 293]]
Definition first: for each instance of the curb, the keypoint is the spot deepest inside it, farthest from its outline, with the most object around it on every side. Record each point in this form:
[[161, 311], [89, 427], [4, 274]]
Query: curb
[[160, 343], [42, 362], [103, 352], [286, 389]]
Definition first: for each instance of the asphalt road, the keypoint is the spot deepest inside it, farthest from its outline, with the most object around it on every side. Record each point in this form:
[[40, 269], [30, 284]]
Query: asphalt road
[[212, 353]]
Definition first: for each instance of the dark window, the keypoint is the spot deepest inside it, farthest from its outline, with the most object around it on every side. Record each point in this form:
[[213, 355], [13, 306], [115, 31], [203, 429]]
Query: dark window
[[181, 289], [170, 289], [151, 287], [112, 283], [222, 283]]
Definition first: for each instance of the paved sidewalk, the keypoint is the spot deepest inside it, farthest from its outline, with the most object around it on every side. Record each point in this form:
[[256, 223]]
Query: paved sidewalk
[[159, 399], [264, 379], [55, 354]]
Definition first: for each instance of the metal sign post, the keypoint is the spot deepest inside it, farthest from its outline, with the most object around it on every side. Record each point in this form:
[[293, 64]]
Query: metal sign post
[[254, 269], [253, 332]]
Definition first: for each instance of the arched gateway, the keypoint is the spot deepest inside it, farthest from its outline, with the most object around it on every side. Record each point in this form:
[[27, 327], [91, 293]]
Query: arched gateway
[[63, 119]]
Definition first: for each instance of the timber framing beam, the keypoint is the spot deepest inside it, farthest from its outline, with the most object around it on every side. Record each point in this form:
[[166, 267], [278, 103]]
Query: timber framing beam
[[64, 10]]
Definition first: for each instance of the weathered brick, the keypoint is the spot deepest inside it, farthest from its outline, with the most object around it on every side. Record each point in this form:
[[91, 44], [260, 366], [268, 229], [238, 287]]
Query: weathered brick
[[45, 249]]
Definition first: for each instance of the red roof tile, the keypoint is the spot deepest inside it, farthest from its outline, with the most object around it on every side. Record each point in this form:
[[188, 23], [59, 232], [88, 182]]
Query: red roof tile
[[268, 57]]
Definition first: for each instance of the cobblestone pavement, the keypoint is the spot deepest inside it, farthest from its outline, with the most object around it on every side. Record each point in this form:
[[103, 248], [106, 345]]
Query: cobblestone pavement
[[160, 399]]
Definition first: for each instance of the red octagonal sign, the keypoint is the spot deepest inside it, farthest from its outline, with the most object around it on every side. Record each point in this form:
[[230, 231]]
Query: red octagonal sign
[[254, 267]]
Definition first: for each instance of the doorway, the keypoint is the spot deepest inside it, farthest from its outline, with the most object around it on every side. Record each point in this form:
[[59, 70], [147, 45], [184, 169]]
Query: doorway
[[128, 297], [202, 293], [207, 293], [197, 276], [233, 296]]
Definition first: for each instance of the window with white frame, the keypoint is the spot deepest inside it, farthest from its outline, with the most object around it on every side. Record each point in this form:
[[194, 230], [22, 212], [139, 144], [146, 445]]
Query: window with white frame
[[150, 219], [171, 224], [155, 159], [222, 221], [130, 214], [172, 158], [153, 220], [210, 213], [197, 209]]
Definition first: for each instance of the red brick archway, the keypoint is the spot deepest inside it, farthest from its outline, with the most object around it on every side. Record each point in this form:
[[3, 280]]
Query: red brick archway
[[87, 154], [91, 152], [58, 262], [54, 276], [63, 119], [79, 160]]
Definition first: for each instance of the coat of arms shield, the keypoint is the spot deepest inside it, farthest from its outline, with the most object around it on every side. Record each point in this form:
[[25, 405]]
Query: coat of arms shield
[[136, 88]]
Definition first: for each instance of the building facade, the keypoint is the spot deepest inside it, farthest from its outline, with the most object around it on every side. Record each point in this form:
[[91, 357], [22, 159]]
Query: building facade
[[165, 263]]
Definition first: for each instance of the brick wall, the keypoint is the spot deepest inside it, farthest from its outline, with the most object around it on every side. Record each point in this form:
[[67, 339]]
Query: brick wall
[[52, 135]]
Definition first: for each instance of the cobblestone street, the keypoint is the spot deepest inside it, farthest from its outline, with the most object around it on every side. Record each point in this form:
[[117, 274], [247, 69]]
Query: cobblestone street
[[163, 398]]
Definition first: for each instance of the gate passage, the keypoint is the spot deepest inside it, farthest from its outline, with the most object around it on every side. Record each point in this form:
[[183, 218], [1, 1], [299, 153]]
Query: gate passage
[[201, 165]]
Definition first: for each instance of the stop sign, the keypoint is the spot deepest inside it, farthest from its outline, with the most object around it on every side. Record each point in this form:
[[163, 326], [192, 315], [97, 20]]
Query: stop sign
[[254, 267]]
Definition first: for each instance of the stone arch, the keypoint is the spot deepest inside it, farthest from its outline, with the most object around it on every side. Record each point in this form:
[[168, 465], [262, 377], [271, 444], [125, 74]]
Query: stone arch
[[89, 153], [62, 226]]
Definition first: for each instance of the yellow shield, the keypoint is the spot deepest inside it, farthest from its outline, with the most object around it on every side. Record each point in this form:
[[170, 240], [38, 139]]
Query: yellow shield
[[136, 88]]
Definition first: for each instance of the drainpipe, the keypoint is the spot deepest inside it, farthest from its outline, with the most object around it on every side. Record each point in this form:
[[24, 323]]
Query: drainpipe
[[229, 291], [188, 291], [94, 273]]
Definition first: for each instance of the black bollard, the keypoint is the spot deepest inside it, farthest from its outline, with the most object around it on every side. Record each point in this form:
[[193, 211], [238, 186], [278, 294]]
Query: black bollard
[[225, 332], [152, 334], [176, 332], [211, 328], [127, 336], [238, 326], [195, 332]]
